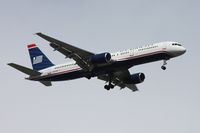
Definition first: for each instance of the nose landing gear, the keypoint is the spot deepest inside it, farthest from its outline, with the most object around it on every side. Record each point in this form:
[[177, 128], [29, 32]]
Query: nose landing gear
[[163, 67]]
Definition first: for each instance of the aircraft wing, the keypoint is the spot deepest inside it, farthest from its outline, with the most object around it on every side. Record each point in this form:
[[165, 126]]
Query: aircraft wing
[[119, 79], [79, 55]]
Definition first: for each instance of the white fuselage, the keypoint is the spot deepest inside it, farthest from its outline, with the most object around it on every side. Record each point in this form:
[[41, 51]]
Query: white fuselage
[[172, 48]]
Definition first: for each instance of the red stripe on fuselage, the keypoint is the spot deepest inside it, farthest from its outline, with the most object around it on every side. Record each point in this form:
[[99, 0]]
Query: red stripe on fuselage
[[55, 74], [77, 69], [142, 55], [31, 46]]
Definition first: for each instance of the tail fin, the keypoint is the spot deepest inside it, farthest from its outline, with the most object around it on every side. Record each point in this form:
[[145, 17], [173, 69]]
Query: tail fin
[[38, 59]]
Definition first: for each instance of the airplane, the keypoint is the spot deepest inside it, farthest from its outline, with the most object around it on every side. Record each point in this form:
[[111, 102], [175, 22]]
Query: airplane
[[110, 67]]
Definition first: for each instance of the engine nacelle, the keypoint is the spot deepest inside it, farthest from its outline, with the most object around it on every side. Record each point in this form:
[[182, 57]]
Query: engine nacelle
[[137, 78], [101, 58]]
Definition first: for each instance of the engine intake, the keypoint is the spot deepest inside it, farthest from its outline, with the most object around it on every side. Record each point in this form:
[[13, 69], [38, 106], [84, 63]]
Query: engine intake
[[137, 78], [101, 58]]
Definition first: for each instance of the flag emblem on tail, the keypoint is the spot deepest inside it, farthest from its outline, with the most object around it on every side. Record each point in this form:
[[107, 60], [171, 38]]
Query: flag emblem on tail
[[37, 59]]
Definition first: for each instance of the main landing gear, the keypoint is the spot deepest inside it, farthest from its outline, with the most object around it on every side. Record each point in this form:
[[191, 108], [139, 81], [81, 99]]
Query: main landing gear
[[163, 67], [110, 85]]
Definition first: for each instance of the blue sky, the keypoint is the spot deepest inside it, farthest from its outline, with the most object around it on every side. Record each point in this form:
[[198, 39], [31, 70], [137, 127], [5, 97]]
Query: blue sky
[[167, 101]]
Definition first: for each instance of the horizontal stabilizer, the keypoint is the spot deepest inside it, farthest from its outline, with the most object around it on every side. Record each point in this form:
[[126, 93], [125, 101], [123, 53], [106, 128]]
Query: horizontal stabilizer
[[24, 69], [29, 72], [46, 83]]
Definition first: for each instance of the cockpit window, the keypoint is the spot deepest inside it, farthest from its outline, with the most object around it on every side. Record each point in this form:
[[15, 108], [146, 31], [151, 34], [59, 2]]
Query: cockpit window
[[176, 44]]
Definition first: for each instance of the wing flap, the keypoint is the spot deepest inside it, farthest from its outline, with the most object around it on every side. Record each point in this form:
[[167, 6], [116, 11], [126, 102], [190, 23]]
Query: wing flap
[[79, 55], [80, 60], [60, 44]]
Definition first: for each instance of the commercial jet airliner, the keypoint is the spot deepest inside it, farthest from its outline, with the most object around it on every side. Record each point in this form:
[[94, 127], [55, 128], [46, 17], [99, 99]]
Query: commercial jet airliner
[[110, 67]]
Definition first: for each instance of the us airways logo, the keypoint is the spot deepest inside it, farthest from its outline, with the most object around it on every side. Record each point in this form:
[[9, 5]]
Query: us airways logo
[[37, 59]]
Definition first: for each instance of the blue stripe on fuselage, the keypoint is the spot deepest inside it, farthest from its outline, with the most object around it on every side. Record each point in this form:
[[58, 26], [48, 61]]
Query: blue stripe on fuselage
[[116, 66]]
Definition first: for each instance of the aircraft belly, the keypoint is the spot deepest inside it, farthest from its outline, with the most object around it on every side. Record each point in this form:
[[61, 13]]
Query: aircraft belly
[[149, 58], [66, 76], [116, 66], [126, 64]]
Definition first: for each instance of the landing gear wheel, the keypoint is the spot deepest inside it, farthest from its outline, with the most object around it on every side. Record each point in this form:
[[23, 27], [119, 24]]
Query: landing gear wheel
[[107, 87], [111, 86], [163, 67]]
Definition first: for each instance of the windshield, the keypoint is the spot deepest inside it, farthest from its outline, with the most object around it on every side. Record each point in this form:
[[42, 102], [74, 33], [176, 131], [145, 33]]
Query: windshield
[[176, 44]]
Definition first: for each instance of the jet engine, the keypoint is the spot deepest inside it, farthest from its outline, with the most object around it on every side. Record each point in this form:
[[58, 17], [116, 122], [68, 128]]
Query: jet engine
[[137, 78], [101, 58]]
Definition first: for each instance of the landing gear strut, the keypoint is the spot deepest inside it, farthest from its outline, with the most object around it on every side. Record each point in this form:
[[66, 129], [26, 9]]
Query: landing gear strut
[[163, 67], [110, 85]]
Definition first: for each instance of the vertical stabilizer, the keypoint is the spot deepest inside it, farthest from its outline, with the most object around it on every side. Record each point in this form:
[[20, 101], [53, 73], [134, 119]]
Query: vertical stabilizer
[[39, 60]]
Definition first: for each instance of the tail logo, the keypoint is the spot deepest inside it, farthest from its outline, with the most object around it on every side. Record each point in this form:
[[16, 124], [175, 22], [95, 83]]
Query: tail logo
[[37, 59]]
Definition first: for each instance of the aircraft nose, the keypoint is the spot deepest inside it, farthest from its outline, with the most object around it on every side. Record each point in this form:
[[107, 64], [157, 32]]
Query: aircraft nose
[[180, 51], [183, 50]]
